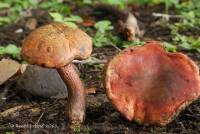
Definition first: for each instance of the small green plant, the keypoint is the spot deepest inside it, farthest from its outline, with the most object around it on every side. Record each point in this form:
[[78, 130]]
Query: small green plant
[[183, 42], [87, 1], [11, 50], [4, 5], [103, 26], [76, 129], [70, 21], [103, 30], [120, 3], [104, 36], [55, 6], [17, 8], [190, 20], [187, 42], [168, 4], [169, 47], [10, 132]]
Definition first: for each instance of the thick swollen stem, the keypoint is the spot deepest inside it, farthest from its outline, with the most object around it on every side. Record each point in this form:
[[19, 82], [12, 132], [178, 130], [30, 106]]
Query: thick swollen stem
[[76, 95]]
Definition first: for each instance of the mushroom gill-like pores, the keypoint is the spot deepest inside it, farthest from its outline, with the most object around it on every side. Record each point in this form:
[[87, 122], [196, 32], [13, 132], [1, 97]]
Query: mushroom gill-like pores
[[55, 46], [149, 85]]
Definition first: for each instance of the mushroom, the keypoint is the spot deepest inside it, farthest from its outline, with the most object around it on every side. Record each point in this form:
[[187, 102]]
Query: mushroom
[[149, 85], [55, 45]]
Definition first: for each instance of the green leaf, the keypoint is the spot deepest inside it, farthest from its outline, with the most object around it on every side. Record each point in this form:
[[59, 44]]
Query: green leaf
[[87, 1], [4, 5], [12, 50], [73, 18], [120, 3], [70, 21], [4, 20], [169, 47], [57, 16], [2, 50], [103, 26], [71, 24]]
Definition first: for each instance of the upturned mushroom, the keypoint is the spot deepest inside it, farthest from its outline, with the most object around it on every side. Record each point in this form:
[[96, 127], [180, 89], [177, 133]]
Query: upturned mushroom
[[55, 46], [149, 85]]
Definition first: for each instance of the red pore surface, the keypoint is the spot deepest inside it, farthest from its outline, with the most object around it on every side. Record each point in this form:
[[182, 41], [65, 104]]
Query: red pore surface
[[149, 85]]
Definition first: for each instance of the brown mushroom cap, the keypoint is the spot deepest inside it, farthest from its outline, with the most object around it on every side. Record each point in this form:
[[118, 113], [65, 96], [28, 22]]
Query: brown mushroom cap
[[149, 85], [55, 45]]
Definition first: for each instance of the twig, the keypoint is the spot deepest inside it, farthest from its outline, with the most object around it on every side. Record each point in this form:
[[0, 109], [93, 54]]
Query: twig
[[182, 126], [39, 118], [12, 111], [91, 60], [166, 16], [91, 90], [118, 49]]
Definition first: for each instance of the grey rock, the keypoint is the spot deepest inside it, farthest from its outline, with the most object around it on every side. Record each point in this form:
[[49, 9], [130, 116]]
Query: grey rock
[[42, 82]]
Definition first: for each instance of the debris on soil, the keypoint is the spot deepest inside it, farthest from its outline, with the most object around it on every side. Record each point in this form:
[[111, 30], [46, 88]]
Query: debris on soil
[[125, 22], [42, 82], [13, 111], [88, 22], [31, 23], [91, 90], [130, 29], [101, 117], [9, 68]]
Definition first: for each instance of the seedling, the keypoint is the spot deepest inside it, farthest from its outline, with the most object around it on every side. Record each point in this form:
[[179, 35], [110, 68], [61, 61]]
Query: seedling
[[16, 8], [120, 3], [103, 29], [11, 50], [70, 21]]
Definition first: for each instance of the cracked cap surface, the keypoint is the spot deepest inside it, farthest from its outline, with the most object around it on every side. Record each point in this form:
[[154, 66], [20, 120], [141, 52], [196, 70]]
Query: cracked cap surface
[[55, 45]]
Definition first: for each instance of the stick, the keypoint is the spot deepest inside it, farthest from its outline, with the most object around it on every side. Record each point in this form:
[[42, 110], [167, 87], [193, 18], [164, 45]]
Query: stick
[[166, 16], [12, 111], [39, 118], [91, 60]]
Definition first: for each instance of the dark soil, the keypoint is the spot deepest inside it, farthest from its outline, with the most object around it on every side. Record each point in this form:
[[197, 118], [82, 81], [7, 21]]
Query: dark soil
[[46, 116]]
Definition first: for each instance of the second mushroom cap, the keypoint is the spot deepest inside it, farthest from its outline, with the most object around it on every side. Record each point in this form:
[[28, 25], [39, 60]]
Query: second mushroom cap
[[149, 85]]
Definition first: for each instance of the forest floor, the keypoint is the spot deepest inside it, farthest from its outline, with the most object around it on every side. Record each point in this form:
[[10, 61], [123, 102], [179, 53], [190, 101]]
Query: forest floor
[[101, 118]]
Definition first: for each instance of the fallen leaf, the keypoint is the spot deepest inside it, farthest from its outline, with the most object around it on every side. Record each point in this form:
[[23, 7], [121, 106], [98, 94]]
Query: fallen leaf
[[91, 90], [8, 68], [35, 110], [130, 28], [88, 23], [31, 23], [13, 111]]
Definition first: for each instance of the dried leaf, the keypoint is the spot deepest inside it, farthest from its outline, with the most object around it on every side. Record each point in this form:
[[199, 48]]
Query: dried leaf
[[91, 90], [8, 68], [31, 23], [131, 28], [12, 111], [88, 23]]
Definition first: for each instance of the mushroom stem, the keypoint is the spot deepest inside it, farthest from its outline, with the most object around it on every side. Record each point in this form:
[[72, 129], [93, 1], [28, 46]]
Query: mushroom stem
[[76, 95]]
